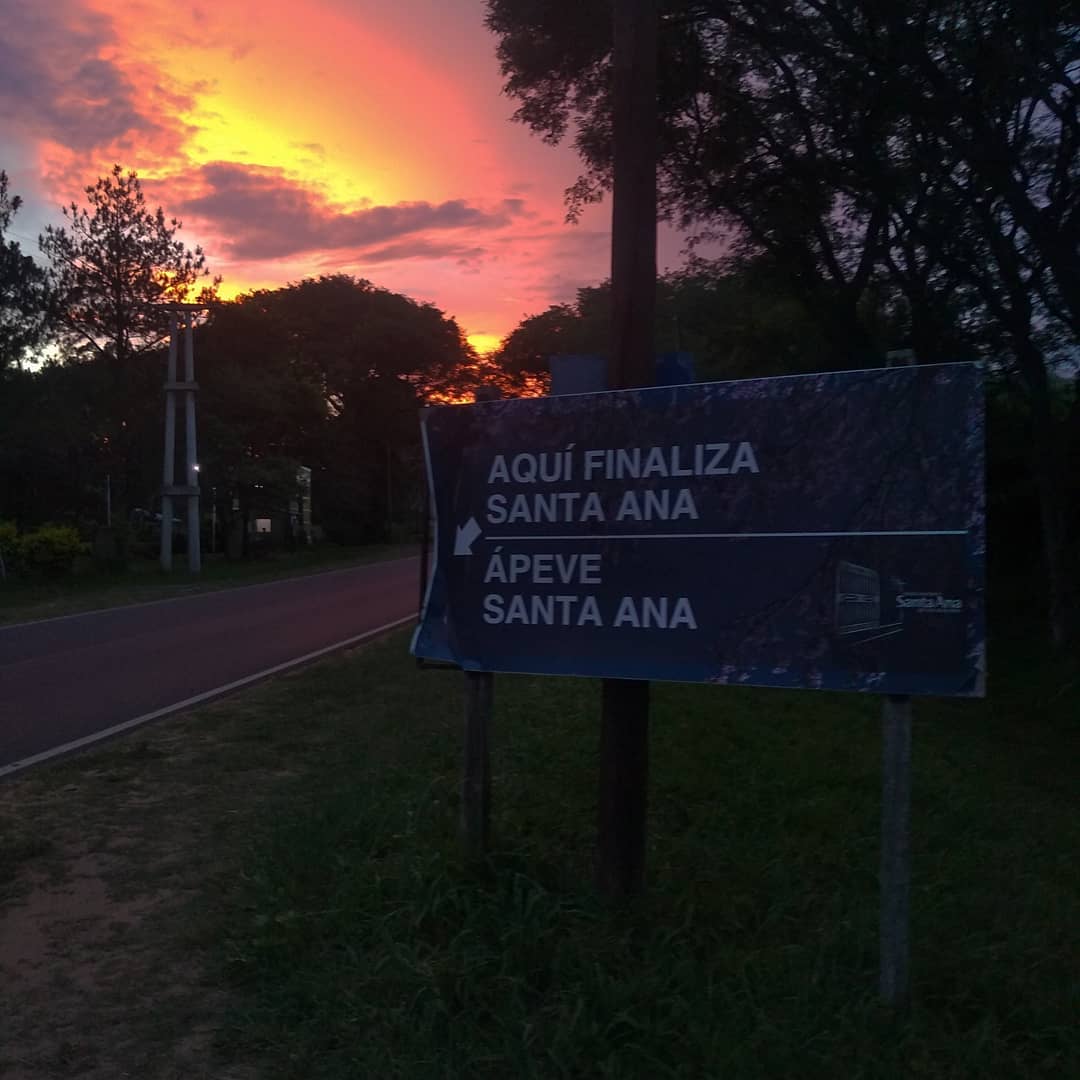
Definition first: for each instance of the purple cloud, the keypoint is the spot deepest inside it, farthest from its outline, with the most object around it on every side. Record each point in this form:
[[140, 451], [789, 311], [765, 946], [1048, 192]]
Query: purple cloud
[[54, 84], [262, 214]]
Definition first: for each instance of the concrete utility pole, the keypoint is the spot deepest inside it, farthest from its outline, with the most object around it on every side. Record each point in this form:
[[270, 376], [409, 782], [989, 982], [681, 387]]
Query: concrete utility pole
[[194, 540], [181, 318], [168, 475], [624, 734]]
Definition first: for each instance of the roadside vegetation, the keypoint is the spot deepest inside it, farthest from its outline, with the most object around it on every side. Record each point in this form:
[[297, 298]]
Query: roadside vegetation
[[89, 587], [362, 945], [314, 918]]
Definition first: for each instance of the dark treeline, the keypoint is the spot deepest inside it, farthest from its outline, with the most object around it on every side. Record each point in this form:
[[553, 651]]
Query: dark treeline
[[324, 374], [885, 176], [327, 374]]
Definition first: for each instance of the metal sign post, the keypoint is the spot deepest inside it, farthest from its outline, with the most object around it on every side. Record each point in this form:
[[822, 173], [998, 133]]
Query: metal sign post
[[895, 849], [894, 930], [476, 775], [476, 771]]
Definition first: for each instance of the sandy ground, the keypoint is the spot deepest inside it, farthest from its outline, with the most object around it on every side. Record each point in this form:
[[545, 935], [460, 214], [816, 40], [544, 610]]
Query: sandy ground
[[107, 908], [115, 866]]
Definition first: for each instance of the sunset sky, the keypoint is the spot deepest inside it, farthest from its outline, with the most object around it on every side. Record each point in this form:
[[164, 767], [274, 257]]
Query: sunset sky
[[368, 137]]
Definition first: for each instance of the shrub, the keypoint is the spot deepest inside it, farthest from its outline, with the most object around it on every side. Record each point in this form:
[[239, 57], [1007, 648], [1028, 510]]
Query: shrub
[[9, 542], [9, 537], [50, 550]]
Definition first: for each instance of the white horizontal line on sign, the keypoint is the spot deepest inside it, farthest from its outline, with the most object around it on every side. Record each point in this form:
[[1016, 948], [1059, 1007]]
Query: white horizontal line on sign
[[728, 536]]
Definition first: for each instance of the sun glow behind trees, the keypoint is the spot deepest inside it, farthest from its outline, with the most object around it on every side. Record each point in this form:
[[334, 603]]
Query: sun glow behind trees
[[271, 133]]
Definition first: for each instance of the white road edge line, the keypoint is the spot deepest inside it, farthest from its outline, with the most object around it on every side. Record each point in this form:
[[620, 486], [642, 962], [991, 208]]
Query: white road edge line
[[203, 593], [206, 695]]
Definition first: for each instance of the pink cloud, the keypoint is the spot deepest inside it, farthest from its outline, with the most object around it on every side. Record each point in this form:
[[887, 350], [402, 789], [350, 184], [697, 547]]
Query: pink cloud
[[260, 213], [59, 83]]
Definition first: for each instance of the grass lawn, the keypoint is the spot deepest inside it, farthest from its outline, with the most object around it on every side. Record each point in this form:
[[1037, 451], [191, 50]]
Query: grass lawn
[[22, 601], [303, 836], [363, 947]]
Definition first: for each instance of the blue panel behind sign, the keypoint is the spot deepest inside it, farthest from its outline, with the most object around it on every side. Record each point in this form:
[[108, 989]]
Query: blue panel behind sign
[[585, 373], [818, 531], [577, 374], [674, 368]]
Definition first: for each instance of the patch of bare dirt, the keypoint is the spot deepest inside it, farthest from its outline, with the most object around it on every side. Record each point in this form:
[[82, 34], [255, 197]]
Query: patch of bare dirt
[[104, 957]]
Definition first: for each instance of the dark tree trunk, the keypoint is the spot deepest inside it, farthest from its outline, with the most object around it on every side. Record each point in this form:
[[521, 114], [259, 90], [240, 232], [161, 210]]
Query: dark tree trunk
[[1047, 466], [624, 724]]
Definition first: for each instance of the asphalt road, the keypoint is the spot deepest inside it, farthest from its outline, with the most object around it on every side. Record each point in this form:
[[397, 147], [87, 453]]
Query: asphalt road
[[65, 679]]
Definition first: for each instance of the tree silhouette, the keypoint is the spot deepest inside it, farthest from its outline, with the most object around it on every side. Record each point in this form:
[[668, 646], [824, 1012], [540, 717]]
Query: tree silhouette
[[115, 264], [25, 296], [327, 373], [114, 260], [930, 148], [736, 316]]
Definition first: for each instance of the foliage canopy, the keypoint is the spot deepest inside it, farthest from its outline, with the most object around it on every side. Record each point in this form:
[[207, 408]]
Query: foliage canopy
[[25, 294], [116, 262]]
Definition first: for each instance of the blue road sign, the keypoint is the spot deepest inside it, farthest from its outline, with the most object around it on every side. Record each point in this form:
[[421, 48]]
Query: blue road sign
[[816, 531]]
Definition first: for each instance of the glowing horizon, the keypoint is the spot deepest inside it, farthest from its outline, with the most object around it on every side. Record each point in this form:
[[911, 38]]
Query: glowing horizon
[[354, 137]]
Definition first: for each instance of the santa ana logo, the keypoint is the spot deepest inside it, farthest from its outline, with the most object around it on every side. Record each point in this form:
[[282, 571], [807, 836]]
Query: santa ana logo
[[932, 603]]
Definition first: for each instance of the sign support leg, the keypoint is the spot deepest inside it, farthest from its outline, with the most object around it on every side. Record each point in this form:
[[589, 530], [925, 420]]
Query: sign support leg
[[476, 779], [479, 702], [624, 784], [895, 850]]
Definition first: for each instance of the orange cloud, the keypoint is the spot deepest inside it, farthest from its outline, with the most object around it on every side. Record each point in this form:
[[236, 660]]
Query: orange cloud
[[348, 136], [268, 79]]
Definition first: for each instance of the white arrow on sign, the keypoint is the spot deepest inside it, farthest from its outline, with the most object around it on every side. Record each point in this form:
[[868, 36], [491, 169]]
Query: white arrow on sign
[[466, 534]]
